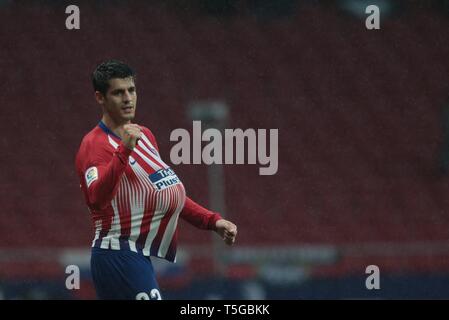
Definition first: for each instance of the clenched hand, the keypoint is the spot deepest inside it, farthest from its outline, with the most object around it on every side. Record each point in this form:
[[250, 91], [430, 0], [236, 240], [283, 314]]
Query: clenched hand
[[227, 231], [132, 133]]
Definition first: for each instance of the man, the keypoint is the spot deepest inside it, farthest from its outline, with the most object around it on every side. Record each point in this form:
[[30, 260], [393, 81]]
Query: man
[[134, 197]]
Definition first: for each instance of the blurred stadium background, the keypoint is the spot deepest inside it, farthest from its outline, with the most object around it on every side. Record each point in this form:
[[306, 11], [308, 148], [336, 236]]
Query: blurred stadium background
[[363, 119]]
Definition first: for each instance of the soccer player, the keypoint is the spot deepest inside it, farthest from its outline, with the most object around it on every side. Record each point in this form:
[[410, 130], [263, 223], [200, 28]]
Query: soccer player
[[134, 197]]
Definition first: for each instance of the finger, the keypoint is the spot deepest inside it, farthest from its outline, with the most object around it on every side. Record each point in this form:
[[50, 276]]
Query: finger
[[229, 236], [230, 226], [132, 127], [135, 133]]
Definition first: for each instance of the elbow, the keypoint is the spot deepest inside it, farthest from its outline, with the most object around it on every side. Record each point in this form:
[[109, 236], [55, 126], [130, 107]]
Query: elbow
[[97, 203]]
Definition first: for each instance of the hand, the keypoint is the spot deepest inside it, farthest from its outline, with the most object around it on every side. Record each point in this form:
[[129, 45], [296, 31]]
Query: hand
[[227, 231], [131, 135]]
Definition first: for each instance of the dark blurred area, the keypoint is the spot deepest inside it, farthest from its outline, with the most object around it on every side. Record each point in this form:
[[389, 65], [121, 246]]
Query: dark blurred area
[[363, 141]]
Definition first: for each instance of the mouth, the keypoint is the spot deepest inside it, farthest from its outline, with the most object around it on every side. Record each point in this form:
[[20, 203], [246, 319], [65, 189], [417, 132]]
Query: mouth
[[128, 109]]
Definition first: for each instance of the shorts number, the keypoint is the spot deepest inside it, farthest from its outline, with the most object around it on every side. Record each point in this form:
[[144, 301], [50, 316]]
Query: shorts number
[[154, 295]]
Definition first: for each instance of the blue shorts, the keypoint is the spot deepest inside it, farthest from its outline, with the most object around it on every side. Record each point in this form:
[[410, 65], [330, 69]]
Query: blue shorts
[[124, 275]]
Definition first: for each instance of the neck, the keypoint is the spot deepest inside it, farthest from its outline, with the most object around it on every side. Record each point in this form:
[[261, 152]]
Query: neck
[[114, 126]]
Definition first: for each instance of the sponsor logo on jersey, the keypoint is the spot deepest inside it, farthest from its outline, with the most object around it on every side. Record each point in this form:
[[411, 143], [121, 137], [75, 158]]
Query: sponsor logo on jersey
[[91, 175], [163, 179]]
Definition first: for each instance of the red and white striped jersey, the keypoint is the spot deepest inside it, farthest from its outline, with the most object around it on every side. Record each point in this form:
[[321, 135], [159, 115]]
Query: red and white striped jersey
[[134, 197]]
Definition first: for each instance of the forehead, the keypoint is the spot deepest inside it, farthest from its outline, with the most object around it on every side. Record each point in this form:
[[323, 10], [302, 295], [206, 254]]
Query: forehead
[[121, 83]]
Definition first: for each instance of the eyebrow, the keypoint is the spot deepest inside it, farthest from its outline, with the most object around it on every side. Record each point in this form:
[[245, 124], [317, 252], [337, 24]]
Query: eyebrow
[[122, 90]]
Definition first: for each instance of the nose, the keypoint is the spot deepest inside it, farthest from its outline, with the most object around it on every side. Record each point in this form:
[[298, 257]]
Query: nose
[[127, 96]]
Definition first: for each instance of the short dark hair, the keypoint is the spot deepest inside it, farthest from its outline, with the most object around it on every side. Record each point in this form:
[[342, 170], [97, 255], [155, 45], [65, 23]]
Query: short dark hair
[[108, 70]]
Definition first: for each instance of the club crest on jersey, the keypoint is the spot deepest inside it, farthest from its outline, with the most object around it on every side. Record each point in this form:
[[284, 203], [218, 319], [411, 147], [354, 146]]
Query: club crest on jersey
[[91, 175], [164, 178]]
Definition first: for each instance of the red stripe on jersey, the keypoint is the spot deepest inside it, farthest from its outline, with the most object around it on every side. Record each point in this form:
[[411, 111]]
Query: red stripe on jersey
[[149, 209], [171, 253], [106, 222], [154, 157], [172, 205], [124, 208], [145, 166]]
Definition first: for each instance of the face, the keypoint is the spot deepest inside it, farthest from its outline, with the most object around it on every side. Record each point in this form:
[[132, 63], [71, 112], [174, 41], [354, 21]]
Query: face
[[120, 100]]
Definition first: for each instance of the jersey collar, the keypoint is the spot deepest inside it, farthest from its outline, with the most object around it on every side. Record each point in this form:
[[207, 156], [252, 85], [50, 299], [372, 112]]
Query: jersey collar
[[107, 130]]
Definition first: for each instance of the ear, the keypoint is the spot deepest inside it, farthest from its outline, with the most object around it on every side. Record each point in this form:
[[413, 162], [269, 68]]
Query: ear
[[99, 97]]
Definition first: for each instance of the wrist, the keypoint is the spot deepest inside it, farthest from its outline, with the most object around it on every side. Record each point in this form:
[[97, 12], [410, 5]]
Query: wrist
[[212, 224]]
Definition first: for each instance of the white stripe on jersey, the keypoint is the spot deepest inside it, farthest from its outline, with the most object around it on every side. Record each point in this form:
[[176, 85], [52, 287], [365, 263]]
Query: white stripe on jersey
[[112, 142], [115, 224], [128, 202], [115, 243], [106, 241], [97, 231], [153, 165], [155, 156], [144, 137], [171, 226], [137, 208]]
